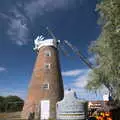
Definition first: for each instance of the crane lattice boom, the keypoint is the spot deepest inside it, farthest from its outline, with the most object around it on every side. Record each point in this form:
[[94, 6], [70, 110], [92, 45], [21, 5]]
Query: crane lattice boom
[[75, 50]]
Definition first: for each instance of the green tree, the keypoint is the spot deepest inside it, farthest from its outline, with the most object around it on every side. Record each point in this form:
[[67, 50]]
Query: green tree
[[2, 108], [13, 103], [107, 49]]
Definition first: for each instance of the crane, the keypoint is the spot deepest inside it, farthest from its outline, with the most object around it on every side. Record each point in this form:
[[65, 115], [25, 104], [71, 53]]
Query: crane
[[74, 49], [78, 53]]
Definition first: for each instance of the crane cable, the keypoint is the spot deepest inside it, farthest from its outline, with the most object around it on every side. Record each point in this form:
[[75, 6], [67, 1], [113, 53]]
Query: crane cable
[[50, 32], [75, 50]]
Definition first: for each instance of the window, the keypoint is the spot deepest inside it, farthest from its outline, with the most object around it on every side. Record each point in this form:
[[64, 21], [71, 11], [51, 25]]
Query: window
[[46, 86], [47, 53], [47, 66]]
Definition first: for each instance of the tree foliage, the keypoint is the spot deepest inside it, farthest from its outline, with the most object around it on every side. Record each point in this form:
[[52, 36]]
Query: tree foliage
[[2, 108], [11, 104], [107, 49]]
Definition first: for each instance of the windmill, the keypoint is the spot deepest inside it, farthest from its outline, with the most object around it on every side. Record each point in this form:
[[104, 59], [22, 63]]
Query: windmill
[[46, 85]]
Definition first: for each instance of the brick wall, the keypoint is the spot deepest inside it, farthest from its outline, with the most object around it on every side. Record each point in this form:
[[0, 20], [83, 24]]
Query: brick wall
[[41, 76]]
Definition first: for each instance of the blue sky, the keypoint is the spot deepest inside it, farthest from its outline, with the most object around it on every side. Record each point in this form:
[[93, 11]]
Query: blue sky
[[22, 21]]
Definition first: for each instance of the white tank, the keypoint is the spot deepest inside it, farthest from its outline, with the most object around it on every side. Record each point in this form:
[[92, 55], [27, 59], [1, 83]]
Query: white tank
[[71, 108]]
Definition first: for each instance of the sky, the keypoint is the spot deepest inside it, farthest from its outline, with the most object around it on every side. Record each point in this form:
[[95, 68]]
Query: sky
[[21, 21]]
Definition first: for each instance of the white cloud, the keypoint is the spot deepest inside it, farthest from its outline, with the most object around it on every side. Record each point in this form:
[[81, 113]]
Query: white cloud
[[18, 27], [82, 80], [73, 73], [20, 16], [2, 69], [39, 7], [18, 30], [92, 59], [3, 15]]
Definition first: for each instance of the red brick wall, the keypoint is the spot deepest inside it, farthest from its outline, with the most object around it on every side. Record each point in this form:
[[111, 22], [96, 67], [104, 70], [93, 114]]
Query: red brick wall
[[40, 76]]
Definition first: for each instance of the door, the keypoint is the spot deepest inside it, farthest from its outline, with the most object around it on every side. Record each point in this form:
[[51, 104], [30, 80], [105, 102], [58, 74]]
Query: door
[[45, 109]]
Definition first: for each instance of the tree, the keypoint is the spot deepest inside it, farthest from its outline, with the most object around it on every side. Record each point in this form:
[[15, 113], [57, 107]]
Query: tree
[[11, 104], [107, 49], [2, 109]]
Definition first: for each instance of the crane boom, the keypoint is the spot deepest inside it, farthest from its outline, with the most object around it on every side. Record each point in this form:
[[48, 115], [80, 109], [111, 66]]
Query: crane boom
[[79, 54], [50, 32], [75, 50], [63, 50]]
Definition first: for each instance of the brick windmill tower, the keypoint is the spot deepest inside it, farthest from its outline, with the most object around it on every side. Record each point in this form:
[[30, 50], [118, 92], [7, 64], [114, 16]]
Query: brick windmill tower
[[46, 86]]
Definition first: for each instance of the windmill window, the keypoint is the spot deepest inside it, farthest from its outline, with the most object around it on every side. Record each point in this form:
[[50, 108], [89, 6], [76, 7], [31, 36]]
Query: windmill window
[[47, 53], [46, 86], [47, 66]]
